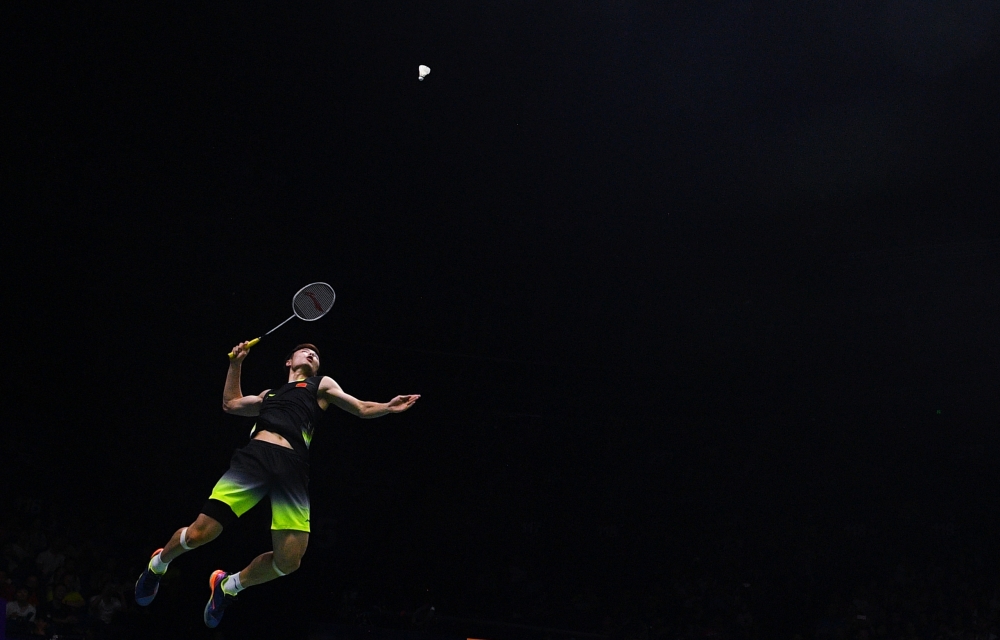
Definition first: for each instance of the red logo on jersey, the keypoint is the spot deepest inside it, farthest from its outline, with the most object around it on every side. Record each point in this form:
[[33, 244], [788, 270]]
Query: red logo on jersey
[[302, 384]]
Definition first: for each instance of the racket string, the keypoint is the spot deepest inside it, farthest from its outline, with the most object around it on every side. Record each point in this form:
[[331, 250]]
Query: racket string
[[312, 302]]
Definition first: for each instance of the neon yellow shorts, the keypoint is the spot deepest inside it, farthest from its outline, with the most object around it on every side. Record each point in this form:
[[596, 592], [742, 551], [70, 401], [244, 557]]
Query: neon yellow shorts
[[263, 469]]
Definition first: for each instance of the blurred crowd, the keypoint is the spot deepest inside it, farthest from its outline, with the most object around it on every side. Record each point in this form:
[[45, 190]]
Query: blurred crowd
[[899, 580], [56, 581], [902, 579]]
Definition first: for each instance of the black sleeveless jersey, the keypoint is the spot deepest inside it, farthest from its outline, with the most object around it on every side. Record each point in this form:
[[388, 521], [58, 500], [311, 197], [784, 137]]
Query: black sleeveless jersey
[[292, 412]]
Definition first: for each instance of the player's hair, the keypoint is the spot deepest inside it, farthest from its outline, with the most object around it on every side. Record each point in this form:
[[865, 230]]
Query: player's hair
[[305, 345]]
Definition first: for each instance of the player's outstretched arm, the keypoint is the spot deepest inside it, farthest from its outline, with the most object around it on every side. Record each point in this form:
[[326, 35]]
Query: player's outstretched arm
[[330, 391], [233, 400]]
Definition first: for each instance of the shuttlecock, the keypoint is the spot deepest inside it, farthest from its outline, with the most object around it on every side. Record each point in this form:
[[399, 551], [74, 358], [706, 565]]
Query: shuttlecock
[[423, 70]]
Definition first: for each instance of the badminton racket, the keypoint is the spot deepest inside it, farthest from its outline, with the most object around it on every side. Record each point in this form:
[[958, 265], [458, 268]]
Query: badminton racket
[[310, 303]]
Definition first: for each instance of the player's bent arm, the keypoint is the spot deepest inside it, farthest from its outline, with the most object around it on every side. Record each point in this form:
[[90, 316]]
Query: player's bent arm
[[233, 400], [244, 405], [330, 391]]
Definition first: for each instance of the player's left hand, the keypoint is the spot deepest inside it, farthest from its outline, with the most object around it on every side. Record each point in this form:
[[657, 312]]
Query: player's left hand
[[400, 404]]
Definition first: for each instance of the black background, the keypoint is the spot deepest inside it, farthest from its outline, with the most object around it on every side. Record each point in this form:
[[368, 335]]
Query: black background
[[645, 262]]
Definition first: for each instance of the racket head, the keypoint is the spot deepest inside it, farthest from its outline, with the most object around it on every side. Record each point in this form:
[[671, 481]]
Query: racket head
[[313, 301]]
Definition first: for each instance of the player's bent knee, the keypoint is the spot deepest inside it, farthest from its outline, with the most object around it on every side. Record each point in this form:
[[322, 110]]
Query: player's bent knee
[[287, 565], [198, 535]]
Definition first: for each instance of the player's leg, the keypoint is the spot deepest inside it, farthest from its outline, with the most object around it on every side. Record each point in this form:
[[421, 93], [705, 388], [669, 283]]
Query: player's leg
[[200, 532], [289, 521], [289, 490], [239, 489], [289, 547], [289, 526]]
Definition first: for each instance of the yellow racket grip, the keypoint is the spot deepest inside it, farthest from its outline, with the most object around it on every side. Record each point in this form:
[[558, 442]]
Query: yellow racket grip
[[249, 344]]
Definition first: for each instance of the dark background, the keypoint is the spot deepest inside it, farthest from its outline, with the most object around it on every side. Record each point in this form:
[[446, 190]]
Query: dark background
[[655, 268]]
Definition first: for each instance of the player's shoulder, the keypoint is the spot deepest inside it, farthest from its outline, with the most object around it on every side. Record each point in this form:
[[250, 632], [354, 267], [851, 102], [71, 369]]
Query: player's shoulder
[[328, 385]]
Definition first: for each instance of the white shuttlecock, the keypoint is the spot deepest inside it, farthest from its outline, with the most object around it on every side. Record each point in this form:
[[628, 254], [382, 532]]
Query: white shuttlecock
[[423, 70]]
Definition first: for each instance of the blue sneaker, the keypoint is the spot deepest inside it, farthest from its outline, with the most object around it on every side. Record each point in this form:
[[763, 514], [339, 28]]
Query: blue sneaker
[[218, 601], [147, 585]]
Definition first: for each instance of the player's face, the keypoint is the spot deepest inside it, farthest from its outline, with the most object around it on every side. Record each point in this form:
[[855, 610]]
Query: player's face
[[305, 357]]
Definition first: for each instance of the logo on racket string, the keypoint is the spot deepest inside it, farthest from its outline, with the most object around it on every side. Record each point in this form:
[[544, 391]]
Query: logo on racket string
[[315, 301]]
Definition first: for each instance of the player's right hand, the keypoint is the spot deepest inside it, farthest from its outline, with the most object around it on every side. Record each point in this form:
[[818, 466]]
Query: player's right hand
[[240, 352]]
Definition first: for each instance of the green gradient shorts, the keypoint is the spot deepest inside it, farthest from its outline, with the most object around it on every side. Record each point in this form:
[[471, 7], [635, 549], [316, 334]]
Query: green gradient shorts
[[260, 469]]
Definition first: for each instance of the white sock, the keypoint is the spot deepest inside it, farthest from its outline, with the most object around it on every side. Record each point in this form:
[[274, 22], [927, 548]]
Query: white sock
[[231, 585], [157, 566]]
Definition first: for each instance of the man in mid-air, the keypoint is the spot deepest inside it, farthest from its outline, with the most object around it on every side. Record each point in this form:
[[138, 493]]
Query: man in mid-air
[[275, 463]]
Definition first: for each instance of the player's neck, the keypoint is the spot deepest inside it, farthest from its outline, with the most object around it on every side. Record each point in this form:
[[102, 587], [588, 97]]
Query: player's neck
[[294, 375]]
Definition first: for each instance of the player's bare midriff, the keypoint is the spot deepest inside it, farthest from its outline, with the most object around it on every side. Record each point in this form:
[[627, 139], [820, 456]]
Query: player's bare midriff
[[273, 438]]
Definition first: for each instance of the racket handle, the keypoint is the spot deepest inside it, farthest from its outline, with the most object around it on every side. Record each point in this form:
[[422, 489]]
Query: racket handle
[[249, 344]]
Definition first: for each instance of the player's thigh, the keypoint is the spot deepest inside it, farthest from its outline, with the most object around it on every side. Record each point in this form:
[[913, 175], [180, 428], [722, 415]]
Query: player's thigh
[[290, 493], [289, 546], [242, 486]]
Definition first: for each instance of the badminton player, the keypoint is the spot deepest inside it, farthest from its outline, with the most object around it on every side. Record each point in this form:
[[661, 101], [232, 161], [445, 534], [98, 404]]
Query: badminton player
[[275, 462]]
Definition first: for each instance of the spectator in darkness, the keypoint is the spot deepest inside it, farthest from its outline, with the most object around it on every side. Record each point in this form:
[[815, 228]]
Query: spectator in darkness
[[36, 537], [20, 615], [104, 607], [54, 579], [34, 595], [50, 559], [61, 618], [7, 590], [15, 554], [72, 582], [76, 604], [100, 577]]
